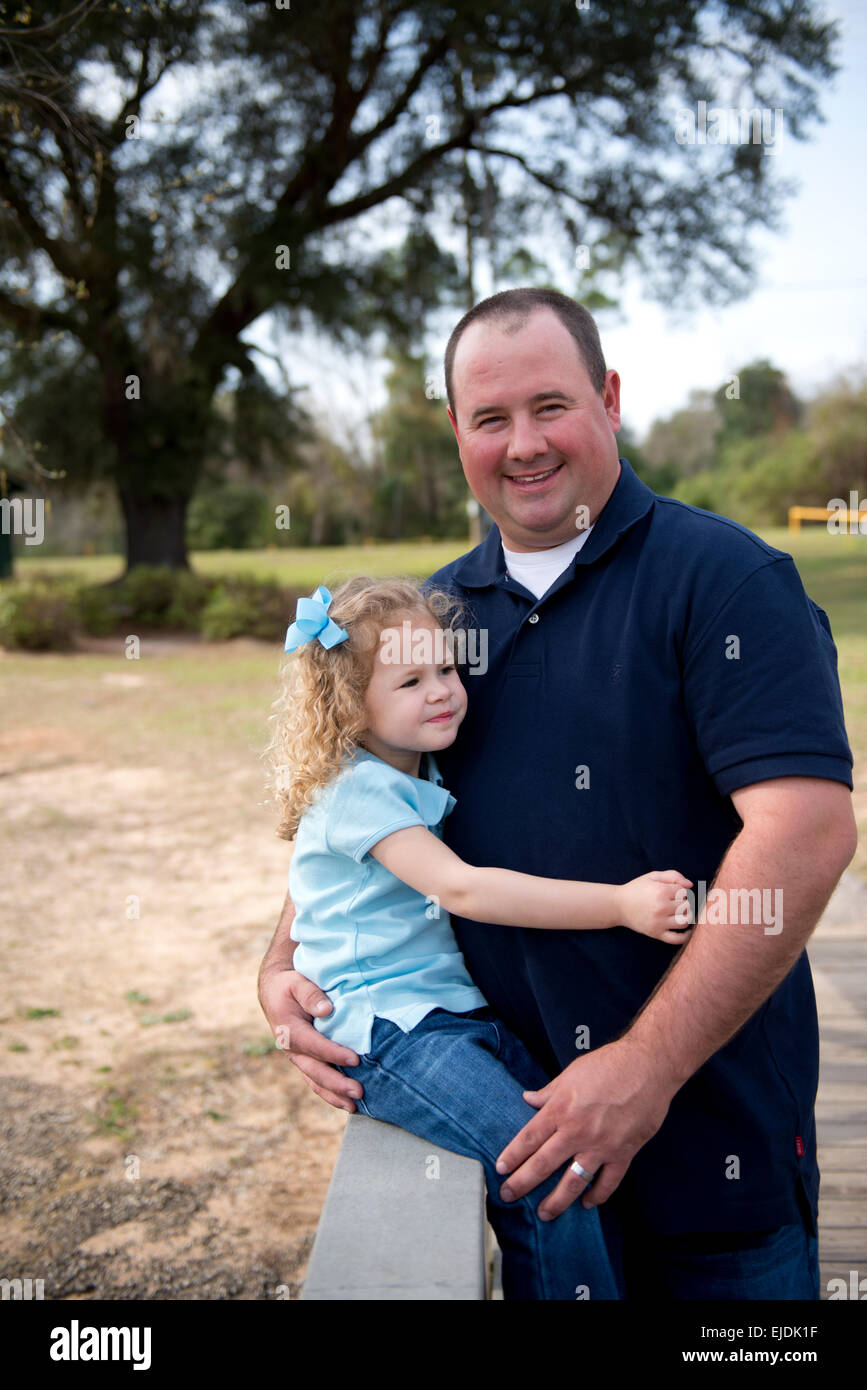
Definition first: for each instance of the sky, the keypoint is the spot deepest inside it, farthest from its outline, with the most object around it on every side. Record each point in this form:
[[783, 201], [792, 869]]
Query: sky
[[808, 313]]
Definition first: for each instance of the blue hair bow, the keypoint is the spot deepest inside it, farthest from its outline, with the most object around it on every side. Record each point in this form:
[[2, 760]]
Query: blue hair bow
[[312, 620]]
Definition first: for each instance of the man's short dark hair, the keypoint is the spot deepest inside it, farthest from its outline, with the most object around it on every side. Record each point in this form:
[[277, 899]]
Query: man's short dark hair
[[517, 306]]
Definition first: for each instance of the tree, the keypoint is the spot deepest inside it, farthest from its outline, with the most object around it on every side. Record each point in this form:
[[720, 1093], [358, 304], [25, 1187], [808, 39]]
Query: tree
[[329, 496], [837, 429], [418, 485], [756, 480], [685, 441], [757, 401], [659, 478], [301, 148]]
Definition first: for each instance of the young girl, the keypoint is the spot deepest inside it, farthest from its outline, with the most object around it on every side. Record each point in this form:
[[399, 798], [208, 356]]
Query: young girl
[[370, 695]]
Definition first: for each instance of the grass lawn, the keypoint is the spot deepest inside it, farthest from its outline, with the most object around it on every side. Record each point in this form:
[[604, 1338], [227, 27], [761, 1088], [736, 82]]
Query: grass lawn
[[328, 565]]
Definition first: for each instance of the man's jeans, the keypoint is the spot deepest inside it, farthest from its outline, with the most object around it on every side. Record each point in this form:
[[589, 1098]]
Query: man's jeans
[[725, 1265], [456, 1080]]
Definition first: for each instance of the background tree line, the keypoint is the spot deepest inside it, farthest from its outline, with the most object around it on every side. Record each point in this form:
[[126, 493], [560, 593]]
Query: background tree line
[[749, 455], [751, 449]]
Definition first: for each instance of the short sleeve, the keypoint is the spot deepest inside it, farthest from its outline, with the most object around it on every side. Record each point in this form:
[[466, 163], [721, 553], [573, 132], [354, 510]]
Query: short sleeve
[[761, 688], [372, 800]]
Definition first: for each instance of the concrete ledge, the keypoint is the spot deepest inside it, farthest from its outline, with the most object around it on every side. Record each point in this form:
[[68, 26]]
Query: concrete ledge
[[391, 1229]]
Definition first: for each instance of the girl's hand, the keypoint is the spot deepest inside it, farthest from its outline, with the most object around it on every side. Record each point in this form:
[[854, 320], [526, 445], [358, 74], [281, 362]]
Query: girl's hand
[[656, 905]]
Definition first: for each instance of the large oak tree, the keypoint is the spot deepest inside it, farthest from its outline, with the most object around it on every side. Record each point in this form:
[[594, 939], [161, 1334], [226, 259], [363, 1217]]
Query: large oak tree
[[138, 249]]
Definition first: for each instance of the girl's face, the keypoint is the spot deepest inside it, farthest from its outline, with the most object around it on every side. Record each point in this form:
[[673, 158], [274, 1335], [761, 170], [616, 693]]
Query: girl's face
[[415, 700]]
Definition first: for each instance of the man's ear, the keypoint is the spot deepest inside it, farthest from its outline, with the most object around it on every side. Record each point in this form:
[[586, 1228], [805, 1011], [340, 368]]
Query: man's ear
[[454, 424], [611, 399]]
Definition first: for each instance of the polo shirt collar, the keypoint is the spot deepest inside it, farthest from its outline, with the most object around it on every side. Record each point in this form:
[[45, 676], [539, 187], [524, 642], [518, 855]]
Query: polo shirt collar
[[428, 768], [630, 500]]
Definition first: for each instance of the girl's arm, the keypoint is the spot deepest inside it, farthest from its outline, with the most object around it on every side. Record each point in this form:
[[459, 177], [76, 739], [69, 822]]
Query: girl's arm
[[647, 904]]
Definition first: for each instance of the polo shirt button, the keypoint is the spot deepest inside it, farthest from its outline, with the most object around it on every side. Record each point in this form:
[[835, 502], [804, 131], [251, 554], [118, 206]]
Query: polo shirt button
[[534, 617]]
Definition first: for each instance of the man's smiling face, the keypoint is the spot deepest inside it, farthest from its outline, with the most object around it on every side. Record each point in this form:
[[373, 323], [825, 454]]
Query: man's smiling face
[[525, 406]]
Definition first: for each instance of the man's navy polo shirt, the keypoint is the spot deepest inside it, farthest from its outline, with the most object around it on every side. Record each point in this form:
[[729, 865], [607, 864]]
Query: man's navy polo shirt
[[615, 717]]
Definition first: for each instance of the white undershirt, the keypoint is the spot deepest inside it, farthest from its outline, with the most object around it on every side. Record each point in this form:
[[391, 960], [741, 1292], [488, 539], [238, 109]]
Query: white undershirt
[[537, 569]]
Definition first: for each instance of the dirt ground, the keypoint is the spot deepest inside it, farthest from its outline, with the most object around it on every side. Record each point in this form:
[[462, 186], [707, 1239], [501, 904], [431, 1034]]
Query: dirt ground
[[154, 1145]]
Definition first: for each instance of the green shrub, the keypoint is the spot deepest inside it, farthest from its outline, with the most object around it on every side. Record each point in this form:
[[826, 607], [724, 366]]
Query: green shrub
[[248, 607], [147, 593], [756, 480], [39, 617], [47, 614], [149, 596], [191, 594], [101, 610], [782, 475], [705, 490]]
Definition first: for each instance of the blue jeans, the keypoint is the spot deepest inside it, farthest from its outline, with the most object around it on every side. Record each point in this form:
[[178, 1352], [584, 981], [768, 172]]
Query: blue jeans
[[456, 1080], [729, 1266]]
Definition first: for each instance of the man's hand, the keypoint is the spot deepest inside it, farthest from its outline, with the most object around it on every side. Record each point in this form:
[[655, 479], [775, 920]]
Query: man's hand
[[289, 1002], [601, 1109]]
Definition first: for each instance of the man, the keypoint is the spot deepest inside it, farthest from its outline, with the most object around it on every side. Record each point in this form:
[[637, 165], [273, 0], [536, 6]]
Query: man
[[659, 692]]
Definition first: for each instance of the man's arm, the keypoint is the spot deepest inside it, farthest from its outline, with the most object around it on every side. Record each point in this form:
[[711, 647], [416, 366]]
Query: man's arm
[[798, 836], [280, 953], [289, 1002]]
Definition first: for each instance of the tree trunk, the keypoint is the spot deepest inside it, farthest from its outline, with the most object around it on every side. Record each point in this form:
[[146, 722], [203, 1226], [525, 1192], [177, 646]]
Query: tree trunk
[[157, 424], [155, 530]]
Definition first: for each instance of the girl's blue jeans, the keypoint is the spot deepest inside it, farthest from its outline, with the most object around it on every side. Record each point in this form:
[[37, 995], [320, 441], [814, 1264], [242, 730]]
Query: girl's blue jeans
[[456, 1080]]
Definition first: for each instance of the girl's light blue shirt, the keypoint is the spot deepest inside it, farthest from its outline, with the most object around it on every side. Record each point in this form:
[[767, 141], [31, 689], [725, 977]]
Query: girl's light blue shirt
[[376, 946]]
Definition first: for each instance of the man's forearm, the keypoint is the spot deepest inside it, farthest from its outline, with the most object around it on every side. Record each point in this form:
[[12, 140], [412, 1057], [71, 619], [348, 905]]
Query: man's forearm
[[282, 949], [729, 968]]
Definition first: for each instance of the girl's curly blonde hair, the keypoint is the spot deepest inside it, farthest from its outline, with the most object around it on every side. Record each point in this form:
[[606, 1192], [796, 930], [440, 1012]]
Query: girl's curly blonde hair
[[319, 715]]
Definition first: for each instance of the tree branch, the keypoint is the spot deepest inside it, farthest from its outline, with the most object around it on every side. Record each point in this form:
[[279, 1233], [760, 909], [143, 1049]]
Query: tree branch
[[34, 318], [461, 139], [132, 105], [378, 50], [364, 138], [241, 304], [549, 183], [276, 358], [58, 251], [26, 447], [81, 10]]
